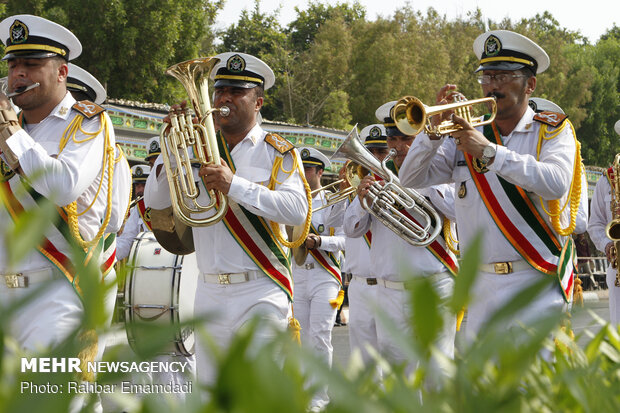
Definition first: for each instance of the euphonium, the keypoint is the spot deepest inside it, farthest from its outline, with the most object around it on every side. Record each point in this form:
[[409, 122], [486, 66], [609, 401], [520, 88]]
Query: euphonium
[[412, 116], [184, 136], [385, 201], [613, 228]]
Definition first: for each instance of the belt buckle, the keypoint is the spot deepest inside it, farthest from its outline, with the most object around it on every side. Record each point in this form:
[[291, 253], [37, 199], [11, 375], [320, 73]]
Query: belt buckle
[[371, 281], [223, 278], [503, 267], [12, 280]]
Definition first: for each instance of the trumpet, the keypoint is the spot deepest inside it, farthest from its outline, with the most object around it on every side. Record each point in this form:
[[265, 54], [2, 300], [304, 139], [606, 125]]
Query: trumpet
[[182, 135], [412, 116], [385, 201], [333, 195]]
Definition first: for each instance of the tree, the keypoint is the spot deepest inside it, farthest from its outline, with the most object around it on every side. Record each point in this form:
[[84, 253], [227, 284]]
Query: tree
[[304, 28]]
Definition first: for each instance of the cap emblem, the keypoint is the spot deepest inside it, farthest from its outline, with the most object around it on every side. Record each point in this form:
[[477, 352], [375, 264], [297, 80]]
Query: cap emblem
[[235, 64], [305, 153], [154, 146], [492, 46], [139, 171], [375, 132], [19, 32]]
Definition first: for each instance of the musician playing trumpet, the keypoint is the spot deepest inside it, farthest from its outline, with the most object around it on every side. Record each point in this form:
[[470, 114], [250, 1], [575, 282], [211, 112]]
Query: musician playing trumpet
[[396, 264], [518, 184], [603, 209]]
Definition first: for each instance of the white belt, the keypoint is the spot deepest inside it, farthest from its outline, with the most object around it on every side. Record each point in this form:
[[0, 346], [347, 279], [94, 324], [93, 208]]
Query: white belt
[[399, 285], [25, 278], [507, 267], [368, 281], [232, 278], [308, 266]]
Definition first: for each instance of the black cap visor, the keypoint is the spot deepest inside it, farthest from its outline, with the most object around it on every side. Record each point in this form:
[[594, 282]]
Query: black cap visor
[[33, 54], [235, 83], [500, 66]]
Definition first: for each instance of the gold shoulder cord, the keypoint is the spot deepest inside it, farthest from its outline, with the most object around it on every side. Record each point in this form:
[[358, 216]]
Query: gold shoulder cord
[[107, 166], [574, 197], [277, 166]]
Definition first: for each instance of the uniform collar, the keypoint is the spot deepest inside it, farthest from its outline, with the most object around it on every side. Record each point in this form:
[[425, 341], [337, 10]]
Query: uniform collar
[[526, 122], [63, 109]]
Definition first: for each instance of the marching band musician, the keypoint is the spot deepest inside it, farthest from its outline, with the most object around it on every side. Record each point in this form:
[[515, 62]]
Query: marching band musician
[[510, 177], [600, 216], [357, 266], [395, 263], [318, 280], [64, 149], [244, 270], [138, 220]]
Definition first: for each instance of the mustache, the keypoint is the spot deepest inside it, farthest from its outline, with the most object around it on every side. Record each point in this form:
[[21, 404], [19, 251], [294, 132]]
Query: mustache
[[497, 95]]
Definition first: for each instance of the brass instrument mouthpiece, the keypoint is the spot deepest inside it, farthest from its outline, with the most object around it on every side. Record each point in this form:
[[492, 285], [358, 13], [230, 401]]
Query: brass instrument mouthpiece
[[23, 89], [224, 111]]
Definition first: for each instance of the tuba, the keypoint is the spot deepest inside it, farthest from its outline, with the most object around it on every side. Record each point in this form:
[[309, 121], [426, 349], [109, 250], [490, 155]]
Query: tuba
[[385, 201], [613, 228], [184, 137], [412, 116]]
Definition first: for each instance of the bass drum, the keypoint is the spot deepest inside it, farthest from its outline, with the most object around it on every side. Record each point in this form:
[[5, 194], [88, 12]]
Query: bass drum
[[160, 288]]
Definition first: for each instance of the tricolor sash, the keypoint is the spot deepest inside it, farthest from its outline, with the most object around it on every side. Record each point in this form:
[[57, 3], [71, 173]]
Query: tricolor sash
[[438, 247], [326, 259], [255, 237], [53, 253], [145, 214], [520, 222]]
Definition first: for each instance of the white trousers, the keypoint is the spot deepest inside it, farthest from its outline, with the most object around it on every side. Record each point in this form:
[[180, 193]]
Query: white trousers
[[228, 309], [493, 291], [314, 288], [397, 306], [362, 318], [614, 297]]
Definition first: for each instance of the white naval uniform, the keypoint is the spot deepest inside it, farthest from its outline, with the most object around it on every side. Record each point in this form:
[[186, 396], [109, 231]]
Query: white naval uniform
[[314, 288], [393, 260], [230, 307], [361, 295], [73, 174], [600, 216], [433, 162]]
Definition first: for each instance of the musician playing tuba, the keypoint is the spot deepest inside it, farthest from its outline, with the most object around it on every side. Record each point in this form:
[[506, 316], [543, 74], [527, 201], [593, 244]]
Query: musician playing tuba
[[602, 227], [242, 258], [395, 263]]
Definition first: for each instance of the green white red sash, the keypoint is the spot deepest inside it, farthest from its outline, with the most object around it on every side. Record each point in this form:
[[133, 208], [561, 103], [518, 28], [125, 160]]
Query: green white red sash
[[144, 214], [520, 222], [326, 259], [255, 236], [438, 247], [51, 252]]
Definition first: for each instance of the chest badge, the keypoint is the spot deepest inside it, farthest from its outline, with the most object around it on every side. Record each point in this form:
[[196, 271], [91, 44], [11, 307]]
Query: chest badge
[[321, 228], [462, 190]]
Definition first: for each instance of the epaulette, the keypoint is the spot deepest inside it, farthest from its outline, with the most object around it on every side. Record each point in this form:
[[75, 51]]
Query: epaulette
[[550, 118], [279, 143], [87, 108]]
